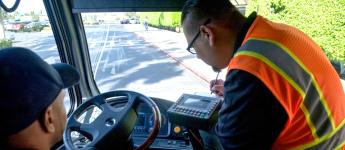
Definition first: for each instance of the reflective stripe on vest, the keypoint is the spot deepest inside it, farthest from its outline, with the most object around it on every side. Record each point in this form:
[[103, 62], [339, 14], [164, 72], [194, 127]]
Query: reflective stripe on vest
[[335, 140], [314, 106]]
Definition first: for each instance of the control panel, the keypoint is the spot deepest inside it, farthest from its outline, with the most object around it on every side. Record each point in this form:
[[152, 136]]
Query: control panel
[[195, 111]]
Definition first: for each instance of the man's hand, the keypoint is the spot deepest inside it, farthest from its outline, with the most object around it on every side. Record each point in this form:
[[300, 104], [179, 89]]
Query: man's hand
[[217, 87]]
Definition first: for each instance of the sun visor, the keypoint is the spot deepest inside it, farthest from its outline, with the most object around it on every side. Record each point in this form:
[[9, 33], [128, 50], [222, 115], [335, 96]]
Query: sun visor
[[127, 5]]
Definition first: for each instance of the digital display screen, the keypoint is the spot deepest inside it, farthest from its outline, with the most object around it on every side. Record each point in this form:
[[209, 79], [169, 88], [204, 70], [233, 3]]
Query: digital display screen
[[141, 120], [196, 103]]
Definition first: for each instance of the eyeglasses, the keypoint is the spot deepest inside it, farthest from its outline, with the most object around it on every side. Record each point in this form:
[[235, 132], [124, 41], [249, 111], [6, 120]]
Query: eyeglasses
[[190, 47]]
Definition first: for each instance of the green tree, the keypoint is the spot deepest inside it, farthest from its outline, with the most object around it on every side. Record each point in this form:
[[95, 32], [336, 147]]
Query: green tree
[[2, 27], [34, 16], [162, 19], [3, 41], [322, 20]]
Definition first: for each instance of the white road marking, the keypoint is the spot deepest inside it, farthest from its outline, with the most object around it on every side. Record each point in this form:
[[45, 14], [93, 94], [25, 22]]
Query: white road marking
[[111, 45], [100, 57], [119, 61], [105, 63]]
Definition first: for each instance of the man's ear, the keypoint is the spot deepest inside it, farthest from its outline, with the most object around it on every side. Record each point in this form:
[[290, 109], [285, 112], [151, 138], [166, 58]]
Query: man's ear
[[47, 120], [207, 32]]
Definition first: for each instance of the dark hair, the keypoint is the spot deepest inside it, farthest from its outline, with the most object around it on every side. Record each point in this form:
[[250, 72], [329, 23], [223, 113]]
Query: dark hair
[[217, 10]]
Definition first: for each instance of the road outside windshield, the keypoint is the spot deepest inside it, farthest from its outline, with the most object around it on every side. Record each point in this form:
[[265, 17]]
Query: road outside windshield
[[124, 52], [127, 54]]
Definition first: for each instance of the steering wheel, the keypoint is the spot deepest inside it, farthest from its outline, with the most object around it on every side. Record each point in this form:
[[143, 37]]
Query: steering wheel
[[113, 125]]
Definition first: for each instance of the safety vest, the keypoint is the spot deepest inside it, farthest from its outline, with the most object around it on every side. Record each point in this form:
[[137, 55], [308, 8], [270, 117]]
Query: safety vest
[[302, 79]]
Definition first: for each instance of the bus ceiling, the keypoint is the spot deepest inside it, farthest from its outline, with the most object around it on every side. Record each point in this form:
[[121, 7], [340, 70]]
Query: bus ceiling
[[79, 6]]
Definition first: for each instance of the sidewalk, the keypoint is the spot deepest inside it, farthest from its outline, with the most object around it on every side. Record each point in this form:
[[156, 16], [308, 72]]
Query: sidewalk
[[174, 45]]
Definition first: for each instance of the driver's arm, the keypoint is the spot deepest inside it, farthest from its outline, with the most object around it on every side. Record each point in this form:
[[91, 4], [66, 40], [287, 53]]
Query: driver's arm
[[250, 117]]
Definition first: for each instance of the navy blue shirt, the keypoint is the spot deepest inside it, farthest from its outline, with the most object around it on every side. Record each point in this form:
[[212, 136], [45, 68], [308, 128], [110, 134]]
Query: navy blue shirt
[[250, 117]]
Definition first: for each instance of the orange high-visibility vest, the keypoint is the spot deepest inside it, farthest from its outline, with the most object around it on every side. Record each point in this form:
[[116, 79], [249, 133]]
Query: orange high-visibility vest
[[302, 79]]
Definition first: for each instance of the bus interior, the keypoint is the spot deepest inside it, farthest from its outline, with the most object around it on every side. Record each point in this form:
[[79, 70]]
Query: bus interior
[[132, 79]]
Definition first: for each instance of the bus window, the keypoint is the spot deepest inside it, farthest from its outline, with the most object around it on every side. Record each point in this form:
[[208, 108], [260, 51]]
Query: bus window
[[29, 27], [127, 52]]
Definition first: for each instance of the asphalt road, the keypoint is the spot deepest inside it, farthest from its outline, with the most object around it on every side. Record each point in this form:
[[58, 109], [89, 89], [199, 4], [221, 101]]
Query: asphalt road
[[122, 60]]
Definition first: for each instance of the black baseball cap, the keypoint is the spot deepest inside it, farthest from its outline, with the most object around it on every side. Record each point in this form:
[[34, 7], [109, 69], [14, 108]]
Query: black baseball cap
[[28, 85]]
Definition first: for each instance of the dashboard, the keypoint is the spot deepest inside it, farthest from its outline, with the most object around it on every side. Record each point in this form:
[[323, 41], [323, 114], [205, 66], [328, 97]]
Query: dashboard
[[170, 136]]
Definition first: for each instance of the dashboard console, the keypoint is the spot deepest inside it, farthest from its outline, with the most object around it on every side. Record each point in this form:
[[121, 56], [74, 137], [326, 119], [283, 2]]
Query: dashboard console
[[170, 136]]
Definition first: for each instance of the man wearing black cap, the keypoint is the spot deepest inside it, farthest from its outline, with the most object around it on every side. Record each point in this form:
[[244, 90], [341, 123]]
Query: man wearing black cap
[[32, 112]]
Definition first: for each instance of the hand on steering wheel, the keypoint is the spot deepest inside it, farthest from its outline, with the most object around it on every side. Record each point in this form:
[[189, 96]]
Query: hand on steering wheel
[[113, 124]]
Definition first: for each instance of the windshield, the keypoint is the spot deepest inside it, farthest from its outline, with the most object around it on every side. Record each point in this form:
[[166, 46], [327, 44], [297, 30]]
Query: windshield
[[153, 61]]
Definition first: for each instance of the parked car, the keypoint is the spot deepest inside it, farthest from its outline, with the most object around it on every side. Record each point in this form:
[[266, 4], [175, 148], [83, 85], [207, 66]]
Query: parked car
[[15, 26], [134, 21], [124, 21], [34, 26], [45, 23]]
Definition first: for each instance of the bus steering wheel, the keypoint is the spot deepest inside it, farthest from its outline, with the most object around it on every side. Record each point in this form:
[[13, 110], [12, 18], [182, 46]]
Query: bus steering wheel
[[113, 124]]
